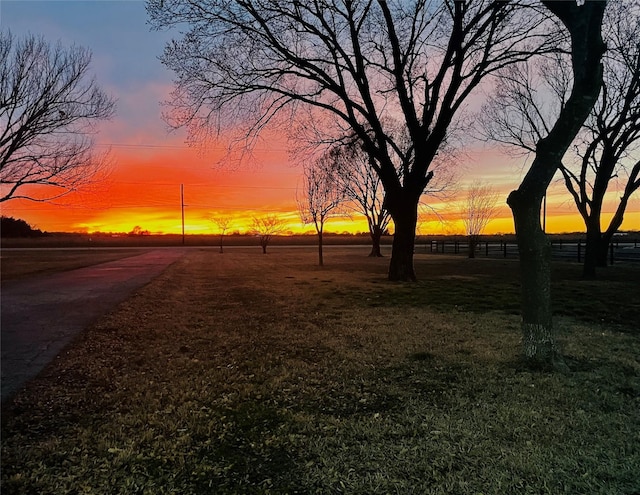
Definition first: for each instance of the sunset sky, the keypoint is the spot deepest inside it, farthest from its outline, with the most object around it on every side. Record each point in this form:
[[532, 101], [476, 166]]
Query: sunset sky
[[149, 164]]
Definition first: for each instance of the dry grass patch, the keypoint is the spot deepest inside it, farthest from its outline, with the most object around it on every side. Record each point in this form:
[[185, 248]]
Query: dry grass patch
[[244, 373]]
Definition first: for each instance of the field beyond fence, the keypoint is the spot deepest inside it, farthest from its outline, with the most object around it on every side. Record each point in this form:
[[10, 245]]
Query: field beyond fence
[[567, 247]]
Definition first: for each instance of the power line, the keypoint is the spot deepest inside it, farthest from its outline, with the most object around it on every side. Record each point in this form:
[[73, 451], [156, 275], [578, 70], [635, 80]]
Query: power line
[[177, 147], [163, 206], [205, 184]]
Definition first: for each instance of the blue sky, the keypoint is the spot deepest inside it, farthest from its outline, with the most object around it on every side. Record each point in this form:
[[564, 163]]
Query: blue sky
[[125, 49], [125, 53]]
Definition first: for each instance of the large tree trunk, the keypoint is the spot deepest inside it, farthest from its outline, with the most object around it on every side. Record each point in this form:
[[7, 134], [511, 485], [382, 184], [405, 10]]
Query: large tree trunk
[[584, 24], [376, 235], [405, 218], [538, 337], [602, 251], [591, 248], [602, 254], [473, 244]]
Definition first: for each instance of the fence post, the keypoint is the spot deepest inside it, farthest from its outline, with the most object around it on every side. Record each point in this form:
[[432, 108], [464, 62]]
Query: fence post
[[611, 253], [504, 248], [579, 251], [486, 248]]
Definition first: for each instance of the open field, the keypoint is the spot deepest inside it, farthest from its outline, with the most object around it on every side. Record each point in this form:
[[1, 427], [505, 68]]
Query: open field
[[244, 373], [43, 261], [150, 241]]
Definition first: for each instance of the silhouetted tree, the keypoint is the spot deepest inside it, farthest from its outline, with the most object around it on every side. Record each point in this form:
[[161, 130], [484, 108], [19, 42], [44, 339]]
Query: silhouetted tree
[[15, 227], [48, 106], [138, 231], [607, 147], [223, 223], [265, 228], [528, 100], [583, 22], [322, 194], [478, 210], [360, 61], [362, 187]]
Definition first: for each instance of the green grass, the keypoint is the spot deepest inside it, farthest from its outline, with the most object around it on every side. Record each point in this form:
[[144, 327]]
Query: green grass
[[449, 283], [267, 374]]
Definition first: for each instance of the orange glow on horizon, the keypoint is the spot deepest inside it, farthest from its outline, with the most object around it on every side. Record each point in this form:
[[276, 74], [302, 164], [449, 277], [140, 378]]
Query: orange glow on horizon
[[144, 190]]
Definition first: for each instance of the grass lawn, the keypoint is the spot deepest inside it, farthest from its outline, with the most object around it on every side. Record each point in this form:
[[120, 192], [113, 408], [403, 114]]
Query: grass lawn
[[246, 373]]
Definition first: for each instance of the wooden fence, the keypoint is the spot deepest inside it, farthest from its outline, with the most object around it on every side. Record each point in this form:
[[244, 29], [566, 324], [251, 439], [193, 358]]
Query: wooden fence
[[627, 250]]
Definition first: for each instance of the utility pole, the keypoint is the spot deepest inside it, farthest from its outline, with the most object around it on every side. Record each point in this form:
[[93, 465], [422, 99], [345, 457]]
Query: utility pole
[[544, 214], [182, 206]]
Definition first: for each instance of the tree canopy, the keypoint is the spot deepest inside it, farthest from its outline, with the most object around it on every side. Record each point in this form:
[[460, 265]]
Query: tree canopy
[[16, 227], [48, 108], [365, 63], [528, 99]]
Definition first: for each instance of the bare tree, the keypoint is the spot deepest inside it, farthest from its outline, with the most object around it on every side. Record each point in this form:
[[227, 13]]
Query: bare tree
[[48, 106], [607, 147], [479, 209], [583, 22], [362, 187], [265, 228], [529, 99], [223, 224], [322, 194], [359, 61], [138, 231]]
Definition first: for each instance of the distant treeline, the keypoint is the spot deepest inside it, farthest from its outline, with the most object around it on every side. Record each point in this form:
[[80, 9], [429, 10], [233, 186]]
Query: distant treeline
[[14, 227]]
